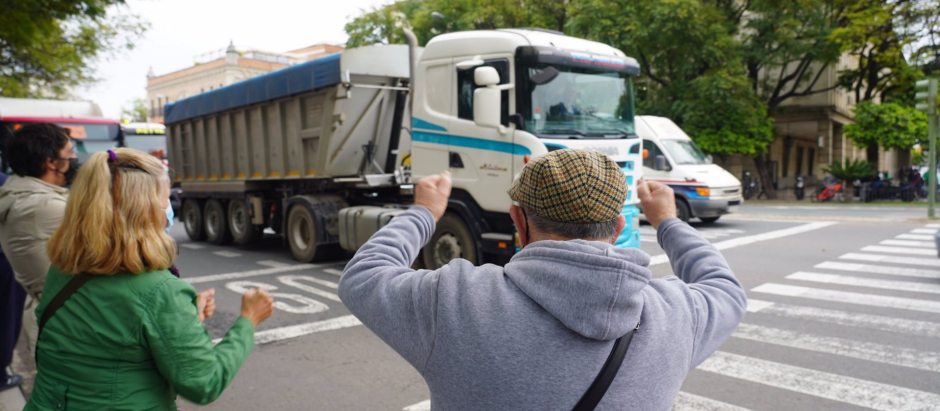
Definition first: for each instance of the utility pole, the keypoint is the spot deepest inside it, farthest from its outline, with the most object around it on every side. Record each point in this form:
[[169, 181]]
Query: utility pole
[[926, 101]]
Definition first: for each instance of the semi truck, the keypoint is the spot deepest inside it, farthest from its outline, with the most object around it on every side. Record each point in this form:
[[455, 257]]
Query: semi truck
[[327, 152]]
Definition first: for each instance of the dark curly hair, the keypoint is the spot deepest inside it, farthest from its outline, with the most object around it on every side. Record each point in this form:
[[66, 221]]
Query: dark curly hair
[[28, 148]]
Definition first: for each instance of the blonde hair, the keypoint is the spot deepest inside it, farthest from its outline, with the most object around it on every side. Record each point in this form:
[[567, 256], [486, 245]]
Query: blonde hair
[[114, 220]]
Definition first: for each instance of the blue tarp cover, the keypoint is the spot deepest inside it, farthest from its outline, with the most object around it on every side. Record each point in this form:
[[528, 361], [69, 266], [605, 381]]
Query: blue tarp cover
[[312, 75]]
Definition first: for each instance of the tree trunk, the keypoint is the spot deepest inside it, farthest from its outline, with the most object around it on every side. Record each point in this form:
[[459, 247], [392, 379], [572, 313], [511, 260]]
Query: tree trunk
[[766, 174], [848, 191]]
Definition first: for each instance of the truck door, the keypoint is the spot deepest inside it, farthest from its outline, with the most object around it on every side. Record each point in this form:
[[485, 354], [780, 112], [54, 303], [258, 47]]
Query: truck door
[[480, 158]]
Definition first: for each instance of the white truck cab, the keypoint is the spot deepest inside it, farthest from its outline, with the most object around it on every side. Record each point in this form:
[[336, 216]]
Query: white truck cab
[[703, 190]]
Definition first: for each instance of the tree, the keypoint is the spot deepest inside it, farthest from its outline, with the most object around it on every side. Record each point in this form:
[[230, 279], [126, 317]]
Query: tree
[[889, 125], [49, 47], [849, 172], [136, 112]]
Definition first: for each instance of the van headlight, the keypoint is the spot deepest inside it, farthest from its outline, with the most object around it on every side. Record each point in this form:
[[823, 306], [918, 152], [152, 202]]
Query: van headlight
[[703, 191]]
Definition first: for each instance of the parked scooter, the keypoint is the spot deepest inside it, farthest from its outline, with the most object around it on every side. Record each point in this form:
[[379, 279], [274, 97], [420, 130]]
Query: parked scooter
[[798, 190], [749, 185]]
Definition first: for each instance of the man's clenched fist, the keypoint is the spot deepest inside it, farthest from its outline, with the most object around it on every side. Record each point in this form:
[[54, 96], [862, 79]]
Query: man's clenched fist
[[432, 192], [658, 201]]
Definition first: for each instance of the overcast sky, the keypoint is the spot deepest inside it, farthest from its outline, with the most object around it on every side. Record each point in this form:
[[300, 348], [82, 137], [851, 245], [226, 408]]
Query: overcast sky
[[183, 29]]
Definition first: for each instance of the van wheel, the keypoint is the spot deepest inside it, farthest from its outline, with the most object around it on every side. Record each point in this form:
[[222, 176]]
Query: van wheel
[[709, 220], [239, 222], [450, 241], [217, 231], [192, 219], [683, 210]]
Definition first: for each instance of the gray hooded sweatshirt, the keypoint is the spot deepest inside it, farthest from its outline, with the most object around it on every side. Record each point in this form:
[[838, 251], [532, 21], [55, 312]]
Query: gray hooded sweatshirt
[[534, 334]]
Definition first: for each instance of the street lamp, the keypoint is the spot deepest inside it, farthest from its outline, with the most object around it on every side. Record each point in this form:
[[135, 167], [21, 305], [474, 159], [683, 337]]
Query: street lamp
[[926, 101]]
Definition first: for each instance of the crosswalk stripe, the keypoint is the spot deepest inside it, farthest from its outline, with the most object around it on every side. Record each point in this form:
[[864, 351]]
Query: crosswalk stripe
[[930, 262], [848, 297], [692, 402], [879, 269], [865, 282], [932, 225], [924, 237], [909, 243], [845, 318], [899, 356], [821, 384], [899, 250], [924, 231]]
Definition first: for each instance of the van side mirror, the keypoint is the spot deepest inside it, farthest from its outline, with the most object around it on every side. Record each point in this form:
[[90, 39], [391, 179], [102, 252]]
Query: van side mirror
[[709, 159], [659, 164], [486, 99]]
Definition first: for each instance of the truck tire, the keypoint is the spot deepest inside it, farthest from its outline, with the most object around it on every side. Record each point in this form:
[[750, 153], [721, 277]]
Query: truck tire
[[217, 231], [239, 222], [709, 220], [683, 211], [192, 219], [301, 234], [451, 240]]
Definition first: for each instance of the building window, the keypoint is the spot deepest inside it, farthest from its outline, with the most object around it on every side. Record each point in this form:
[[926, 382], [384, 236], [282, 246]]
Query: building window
[[466, 85]]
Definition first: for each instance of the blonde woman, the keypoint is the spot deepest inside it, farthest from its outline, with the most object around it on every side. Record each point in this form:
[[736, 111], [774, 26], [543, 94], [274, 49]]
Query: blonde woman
[[117, 330]]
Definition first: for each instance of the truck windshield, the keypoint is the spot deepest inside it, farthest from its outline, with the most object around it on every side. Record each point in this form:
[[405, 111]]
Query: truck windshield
[[580, 103], [684, 152]]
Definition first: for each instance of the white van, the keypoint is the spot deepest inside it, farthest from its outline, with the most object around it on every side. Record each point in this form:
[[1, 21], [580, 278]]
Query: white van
[[703, 190]]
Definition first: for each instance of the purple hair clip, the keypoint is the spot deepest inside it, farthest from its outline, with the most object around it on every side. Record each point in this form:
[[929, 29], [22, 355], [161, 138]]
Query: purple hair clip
[[111, 156]]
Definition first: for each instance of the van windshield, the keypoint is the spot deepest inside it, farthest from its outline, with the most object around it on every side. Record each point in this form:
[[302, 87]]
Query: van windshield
[[684, 152]]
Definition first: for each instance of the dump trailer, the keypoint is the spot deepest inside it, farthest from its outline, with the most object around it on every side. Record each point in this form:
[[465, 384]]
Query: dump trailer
[[327, 152]]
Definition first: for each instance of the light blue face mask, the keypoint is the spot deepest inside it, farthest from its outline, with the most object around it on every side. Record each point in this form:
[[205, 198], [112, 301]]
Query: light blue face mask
[[169, 218]]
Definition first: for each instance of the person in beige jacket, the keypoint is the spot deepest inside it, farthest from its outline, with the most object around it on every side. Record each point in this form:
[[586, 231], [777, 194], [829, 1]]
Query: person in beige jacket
[[32, 204]]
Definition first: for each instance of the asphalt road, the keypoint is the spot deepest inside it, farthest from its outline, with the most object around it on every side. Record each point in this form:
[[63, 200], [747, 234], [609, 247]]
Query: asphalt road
[[843, 315]]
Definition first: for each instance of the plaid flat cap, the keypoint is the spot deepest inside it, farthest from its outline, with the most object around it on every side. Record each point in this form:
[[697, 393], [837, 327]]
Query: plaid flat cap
[[572, 186]]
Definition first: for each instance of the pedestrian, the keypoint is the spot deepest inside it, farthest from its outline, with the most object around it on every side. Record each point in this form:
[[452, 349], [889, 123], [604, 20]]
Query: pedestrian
[[32, 203], [12, 298], [118, 331], [535, 334]]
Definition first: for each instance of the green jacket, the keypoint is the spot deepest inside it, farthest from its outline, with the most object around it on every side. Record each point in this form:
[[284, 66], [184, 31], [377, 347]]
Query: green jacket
[[131, 342]]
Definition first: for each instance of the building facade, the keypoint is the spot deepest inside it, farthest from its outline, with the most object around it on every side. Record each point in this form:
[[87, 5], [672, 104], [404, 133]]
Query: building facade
[[216, 70]]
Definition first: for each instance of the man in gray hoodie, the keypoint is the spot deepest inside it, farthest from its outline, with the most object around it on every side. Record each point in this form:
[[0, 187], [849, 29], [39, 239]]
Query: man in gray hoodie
[[534, 334]]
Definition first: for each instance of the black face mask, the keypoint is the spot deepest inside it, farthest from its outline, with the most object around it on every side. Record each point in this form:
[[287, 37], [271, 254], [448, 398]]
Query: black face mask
[[72, 171]]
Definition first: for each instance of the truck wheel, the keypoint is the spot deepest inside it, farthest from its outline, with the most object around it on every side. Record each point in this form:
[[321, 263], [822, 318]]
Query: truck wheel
[[217, 231], [683, 210], [301, 234], [239, 222], [709, 220], [192, 219], [451, 240]]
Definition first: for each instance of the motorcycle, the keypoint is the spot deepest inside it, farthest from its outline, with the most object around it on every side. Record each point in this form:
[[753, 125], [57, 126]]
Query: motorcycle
[[749, 185], [798, 190], [831, 188]]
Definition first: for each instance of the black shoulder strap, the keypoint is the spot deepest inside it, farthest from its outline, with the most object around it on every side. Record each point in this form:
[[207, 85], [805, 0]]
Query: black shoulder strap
[[597, 390], [64, 294]]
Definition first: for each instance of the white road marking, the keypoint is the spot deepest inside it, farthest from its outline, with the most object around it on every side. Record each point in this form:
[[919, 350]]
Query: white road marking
[[924, 231], [272, 263], [334, 271], [930, 262], [226, 254], [252, 273], [909, 243], [834, 387], [915, 237], [850, 298], [899, 356], [692, 402], [421, 406], [307, 304], [648, 238], [751, 239], [845, 318], [192, 246], [933, 225], [300, 330], [866, 282], [899, 250], [269, 230], [879, 269], [295, 281]]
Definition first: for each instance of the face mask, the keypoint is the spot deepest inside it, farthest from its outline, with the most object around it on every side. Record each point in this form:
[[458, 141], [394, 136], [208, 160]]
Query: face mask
[[71, 172], [169, 218]]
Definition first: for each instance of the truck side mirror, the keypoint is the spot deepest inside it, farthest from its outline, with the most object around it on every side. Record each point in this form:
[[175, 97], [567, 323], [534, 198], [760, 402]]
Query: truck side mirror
[[659, 163], [486, 99]]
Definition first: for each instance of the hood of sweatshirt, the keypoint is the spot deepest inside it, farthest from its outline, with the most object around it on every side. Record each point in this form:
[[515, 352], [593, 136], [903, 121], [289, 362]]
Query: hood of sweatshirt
[[17, 188], [593, 288]]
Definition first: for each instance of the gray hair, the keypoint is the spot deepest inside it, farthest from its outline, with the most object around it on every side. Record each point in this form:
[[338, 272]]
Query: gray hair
[[589, 231]]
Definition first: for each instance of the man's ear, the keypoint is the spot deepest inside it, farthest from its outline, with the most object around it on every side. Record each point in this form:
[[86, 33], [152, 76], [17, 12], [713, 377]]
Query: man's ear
[[621, 223], [515, 212]]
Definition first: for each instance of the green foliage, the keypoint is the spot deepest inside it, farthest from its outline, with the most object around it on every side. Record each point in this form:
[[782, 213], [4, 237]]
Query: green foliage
[[136, 112], [889, 125], [49, 47], [850, 171]]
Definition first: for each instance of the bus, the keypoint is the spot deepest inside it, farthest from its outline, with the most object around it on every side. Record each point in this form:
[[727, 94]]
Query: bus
[[89, 130]]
